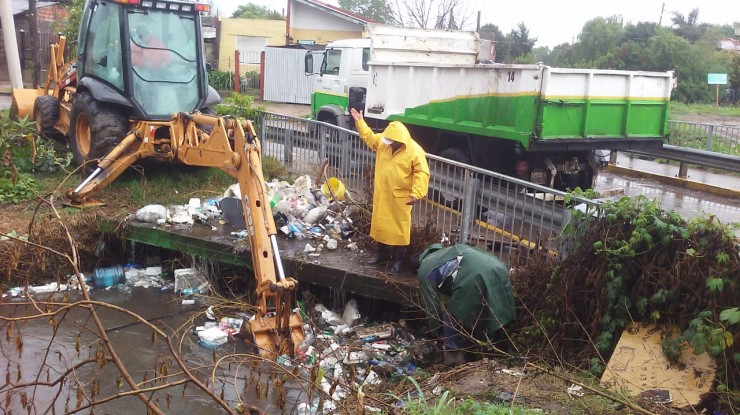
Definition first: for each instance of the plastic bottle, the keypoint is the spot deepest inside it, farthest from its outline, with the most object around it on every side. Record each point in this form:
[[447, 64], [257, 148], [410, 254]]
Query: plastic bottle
[[108, 277]]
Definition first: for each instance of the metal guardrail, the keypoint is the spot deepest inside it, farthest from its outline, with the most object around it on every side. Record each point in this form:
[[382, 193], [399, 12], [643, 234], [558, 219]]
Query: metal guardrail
[[507, 216], [713, 138], [693, 156]]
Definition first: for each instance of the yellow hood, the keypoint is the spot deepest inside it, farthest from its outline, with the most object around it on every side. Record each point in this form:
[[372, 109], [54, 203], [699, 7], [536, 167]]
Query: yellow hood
[[397, 132]]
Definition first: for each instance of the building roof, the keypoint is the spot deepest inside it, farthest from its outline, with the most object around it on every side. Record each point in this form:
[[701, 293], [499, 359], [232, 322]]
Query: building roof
[[337, 11], [20, 6]]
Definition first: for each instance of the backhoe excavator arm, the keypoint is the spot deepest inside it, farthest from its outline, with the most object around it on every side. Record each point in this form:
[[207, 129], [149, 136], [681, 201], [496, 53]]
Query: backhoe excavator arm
[[232, 146]]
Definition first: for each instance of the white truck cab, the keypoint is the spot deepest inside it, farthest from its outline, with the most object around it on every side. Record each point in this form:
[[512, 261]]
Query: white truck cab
[[344, 66]]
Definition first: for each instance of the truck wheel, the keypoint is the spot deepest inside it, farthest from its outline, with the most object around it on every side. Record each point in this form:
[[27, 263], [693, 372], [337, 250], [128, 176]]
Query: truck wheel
[[46, 114], [450, 192], [95, 129]]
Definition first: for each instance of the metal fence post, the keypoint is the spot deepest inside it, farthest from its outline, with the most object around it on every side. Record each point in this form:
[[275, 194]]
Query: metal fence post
[[468, 207], [288, 146], [322, 142], [345, 151], [709, 137], [261, 126]]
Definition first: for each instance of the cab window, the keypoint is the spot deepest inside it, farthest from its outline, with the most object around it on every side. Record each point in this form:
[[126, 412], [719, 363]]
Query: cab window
[[103, 45], [365, 59], [332, 59]]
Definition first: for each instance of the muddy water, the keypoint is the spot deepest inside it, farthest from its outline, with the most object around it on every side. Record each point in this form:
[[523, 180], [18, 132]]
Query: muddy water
[[46, 356]]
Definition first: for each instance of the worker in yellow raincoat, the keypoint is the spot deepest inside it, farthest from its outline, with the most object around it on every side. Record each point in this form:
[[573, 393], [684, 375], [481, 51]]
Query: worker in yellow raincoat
[[401, 180]]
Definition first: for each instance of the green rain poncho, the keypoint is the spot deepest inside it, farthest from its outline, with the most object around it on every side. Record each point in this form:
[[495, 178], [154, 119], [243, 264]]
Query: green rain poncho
[[479, 295]]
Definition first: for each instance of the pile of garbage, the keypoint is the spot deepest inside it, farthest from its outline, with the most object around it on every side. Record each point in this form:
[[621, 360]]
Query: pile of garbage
[[317, 215], [300, 211], [338, 344]]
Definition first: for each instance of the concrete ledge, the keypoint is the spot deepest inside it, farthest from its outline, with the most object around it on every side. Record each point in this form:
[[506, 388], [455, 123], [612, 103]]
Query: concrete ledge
[[676, 181], [341, 269]]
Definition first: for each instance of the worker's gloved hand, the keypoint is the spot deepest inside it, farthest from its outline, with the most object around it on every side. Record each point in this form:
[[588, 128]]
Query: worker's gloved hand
[[412, 200]]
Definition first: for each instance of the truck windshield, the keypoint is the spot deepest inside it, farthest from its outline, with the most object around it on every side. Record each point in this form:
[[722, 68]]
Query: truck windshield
[[163, 50]]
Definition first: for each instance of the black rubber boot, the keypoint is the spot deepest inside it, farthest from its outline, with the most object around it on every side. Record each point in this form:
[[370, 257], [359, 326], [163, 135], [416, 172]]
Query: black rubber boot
[[381, 256], [399, 258]]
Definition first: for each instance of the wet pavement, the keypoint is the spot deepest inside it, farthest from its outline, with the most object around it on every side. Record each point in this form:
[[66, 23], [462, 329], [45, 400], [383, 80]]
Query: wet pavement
[[689, 203], [696, 174]]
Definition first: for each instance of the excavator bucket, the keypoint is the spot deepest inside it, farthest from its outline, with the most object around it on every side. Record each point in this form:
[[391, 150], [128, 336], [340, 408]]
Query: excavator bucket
[[23, 100], [266, 337]]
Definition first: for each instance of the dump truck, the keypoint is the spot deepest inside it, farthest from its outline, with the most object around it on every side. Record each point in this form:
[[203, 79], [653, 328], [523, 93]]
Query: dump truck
[[534, 122], [138, 89]]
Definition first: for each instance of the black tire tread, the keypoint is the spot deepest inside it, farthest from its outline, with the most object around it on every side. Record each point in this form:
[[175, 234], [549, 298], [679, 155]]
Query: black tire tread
[[47, 107], [107, 127]]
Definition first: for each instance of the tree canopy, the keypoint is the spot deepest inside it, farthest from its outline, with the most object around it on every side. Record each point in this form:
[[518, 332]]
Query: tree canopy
[[254, 11], [377, 10], [688, 47]]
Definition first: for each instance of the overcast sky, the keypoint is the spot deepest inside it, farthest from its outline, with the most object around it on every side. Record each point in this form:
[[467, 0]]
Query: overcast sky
[[558, 21]]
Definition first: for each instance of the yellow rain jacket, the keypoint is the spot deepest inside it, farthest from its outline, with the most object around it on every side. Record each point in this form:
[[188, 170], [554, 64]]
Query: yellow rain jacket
[[397, 175]]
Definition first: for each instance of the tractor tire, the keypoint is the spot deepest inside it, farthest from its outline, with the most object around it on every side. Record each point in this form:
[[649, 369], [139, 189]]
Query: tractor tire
[[46, 114], [95, 129]]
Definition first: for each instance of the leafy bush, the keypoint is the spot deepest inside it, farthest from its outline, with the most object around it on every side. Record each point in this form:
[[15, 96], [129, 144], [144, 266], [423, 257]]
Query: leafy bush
[[241, 106], [221, 80], [635, 262], [224, 80], [24, 153]]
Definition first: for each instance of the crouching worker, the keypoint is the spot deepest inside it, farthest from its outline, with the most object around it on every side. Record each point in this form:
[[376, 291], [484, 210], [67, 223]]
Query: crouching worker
[[401, 179], [467, 295]]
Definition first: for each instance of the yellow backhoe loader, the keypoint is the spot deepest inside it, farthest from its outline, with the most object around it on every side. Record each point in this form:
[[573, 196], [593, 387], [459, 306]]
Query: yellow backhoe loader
[[138, 89]]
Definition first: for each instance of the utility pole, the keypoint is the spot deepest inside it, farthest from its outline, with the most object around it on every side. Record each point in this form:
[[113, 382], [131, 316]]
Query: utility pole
[[662, 9], [477, 25], [33, 19], [11, 44]]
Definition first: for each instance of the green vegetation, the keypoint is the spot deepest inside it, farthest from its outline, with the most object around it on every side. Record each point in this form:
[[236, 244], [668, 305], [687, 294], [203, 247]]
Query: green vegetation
[[378, 10], [25, 157], [644, 265], [224, 81], [254, 11], [240, 106], [416, 402], [681, 109]]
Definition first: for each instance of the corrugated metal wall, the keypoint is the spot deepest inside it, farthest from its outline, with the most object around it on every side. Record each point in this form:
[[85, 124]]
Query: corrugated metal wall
[[285, 79]]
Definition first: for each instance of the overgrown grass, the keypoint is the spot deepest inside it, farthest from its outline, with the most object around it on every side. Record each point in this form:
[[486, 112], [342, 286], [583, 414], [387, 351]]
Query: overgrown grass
[[678, 108]]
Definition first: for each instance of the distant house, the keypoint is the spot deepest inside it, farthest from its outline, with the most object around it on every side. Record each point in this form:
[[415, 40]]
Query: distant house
[[51, 18], [314, 22], [250, 37], [307, 22], [730, 44]]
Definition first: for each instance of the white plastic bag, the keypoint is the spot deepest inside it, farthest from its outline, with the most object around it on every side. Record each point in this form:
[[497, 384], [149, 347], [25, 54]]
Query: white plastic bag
[[152, 214], [315, 215], [351, 315], [212, 337]]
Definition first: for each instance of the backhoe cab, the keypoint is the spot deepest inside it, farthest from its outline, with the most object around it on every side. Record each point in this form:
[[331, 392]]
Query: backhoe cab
[[139, 90], [136, 60]]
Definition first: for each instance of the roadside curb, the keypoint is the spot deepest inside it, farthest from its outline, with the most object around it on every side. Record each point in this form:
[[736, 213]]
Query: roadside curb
[[686, 184]]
